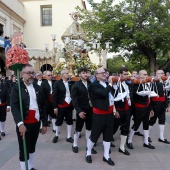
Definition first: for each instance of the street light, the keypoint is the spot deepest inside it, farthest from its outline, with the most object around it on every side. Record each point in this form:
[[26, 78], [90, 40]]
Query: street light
[[97, 47], [55, 52]]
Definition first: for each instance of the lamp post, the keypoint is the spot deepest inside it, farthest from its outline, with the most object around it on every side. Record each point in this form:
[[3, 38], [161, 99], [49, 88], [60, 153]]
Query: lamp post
[[54, 51], [97, 47]]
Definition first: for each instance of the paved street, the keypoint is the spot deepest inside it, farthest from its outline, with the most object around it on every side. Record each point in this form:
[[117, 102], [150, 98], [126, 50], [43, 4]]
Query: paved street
[[51, 156]]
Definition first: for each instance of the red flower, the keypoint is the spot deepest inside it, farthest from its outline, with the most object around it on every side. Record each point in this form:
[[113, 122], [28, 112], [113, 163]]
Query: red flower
[[17, 55]]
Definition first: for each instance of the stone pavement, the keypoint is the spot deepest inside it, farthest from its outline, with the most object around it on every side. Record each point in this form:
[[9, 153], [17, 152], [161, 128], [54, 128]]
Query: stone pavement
[[59, 156]]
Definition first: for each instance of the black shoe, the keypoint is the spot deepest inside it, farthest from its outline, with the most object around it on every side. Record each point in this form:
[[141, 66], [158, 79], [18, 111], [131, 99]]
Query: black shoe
[[33, 169], [138, 133], [148, 146], [130, 145], [2, 133], [93, 151], [112, 145], [164, 141], [54, 131], [88, 159], [69, 140], [55, 139], [109, 161], [75, 149], [149, 140], [124, 152], [80, 135]]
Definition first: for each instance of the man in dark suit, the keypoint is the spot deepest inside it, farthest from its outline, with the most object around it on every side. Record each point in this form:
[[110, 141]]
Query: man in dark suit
[[38, 78], [143, 111], [34, 110], [62, 103], [4, 107], [103, 118], [47, 86], [159, 105], [83, 107], [123, 110]]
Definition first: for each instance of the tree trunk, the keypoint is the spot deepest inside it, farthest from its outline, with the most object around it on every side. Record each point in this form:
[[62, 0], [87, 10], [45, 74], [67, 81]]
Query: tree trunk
[[152, 64], [151, 55]]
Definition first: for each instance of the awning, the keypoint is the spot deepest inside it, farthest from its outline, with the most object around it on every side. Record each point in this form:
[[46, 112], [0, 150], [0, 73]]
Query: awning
[[38, 54]]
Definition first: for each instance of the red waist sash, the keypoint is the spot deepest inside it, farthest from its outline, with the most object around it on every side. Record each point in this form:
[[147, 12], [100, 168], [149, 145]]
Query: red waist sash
[[3, 104], [65, 104], [126, 106], [142, 105], [158, 99], [31, 117], [50, 98], [99, 111]]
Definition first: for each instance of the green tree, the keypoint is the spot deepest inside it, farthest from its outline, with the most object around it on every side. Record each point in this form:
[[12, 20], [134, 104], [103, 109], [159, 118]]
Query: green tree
[[115, 63], [139, 26]]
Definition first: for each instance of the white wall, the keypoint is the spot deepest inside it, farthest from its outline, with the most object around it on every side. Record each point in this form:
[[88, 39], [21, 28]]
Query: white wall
[[35, 36], [15, 5], [11, 22]]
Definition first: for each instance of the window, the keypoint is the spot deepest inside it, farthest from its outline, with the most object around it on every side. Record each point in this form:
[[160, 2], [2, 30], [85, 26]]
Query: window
[[46, 15], [1, 29]]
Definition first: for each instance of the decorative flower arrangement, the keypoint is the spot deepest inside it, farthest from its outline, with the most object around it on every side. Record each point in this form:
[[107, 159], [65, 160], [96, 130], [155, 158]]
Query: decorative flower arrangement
[[80, 62], [84, 62], [56, 70], [16, 55]]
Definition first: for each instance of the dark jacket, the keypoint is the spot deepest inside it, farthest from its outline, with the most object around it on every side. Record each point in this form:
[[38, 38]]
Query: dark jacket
[[137, 98], [158, 87], [46, 89], [120, 104], [80, 97], [4, 94], [36, 81], [12, 84], [15, 107], [99, 95], [59, 92]]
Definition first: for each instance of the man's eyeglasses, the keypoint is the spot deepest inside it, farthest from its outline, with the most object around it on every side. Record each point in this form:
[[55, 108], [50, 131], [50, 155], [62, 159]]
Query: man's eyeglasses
[[29, 73], [102, 73]]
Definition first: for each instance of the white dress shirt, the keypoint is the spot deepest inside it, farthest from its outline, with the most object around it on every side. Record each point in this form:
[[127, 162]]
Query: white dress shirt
[[50, 83], [39, 82], [68, 96], [33, 105]]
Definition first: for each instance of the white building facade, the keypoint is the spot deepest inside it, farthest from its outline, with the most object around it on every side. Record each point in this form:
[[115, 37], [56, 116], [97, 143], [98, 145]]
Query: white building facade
[[37, 19]]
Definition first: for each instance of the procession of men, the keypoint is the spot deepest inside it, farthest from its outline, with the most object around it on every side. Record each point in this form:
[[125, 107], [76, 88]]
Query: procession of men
[[102, 106]]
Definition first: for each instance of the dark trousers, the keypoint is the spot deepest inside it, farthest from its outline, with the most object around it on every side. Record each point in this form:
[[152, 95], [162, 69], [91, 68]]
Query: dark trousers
[[50, 110], [64, 112], [159, 109], [102, 123], [141, 115], [3, 113], [123, 121], [88, 121], [31, 137]]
